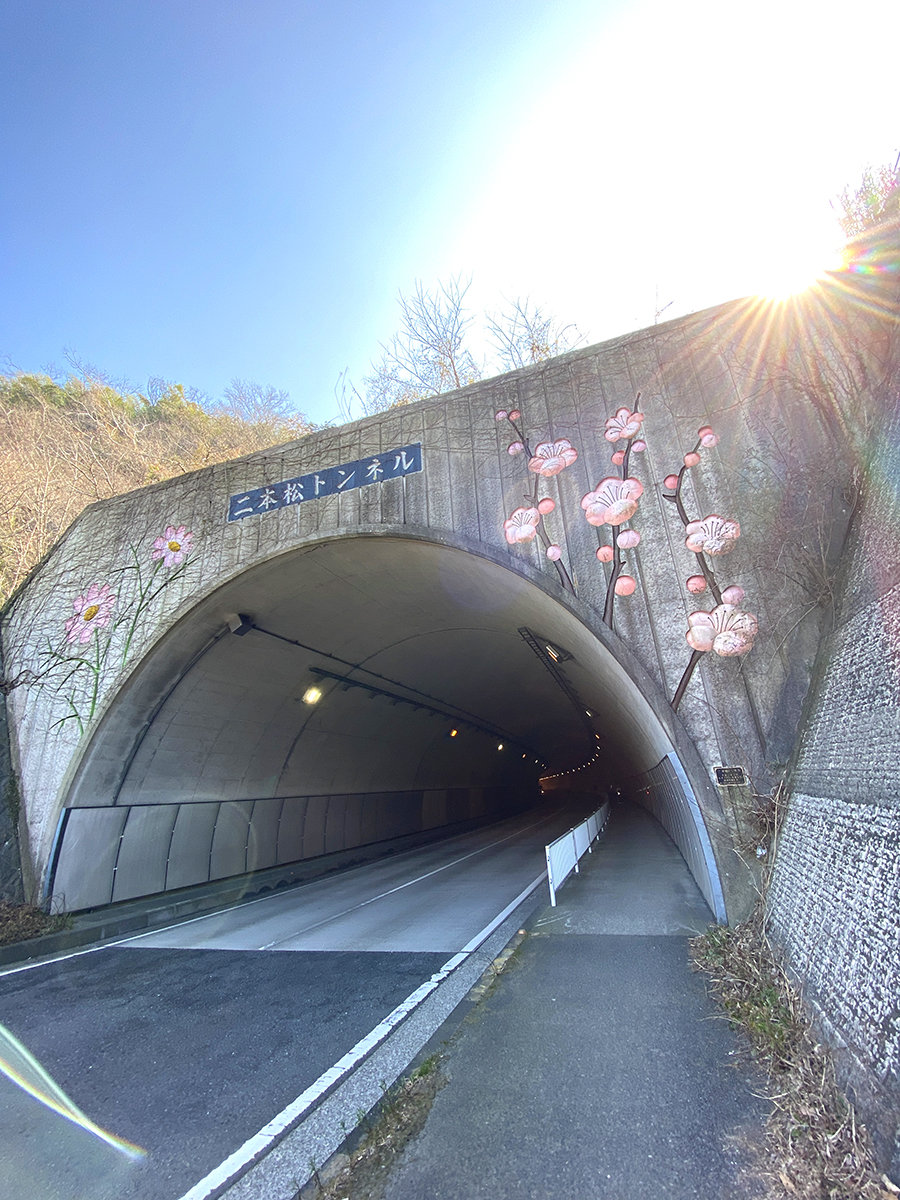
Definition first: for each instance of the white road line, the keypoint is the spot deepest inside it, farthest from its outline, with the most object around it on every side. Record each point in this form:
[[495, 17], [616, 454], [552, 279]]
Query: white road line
[[256, 1147], [136, 937], [390, 892]]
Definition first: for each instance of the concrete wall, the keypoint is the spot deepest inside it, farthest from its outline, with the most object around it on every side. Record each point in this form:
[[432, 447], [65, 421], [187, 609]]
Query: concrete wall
[[11, 876], [835, 895], [745, 375]]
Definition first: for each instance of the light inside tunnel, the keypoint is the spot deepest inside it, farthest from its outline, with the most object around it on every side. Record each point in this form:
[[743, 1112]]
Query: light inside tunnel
[[209, 766]]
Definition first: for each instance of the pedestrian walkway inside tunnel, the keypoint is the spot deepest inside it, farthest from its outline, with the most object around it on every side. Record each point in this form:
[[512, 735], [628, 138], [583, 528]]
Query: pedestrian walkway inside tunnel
[[597, 1066]]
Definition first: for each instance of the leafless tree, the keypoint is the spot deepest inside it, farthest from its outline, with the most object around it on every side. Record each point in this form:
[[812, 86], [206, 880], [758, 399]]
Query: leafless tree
[[876, 197], [432, 352], [429, 355], [524, 334]]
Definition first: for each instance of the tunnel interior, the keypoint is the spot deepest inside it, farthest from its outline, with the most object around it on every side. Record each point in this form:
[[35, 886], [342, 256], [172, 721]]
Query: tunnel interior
[[347, 693]]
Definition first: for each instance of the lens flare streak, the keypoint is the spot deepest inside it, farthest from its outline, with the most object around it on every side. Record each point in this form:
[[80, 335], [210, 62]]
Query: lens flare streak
[[19, 1065]]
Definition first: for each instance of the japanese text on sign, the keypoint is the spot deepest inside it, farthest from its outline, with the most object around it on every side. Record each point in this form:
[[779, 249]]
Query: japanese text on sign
[[332, 481]]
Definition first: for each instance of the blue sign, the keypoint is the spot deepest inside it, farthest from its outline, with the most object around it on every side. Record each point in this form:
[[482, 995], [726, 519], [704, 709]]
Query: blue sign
[[332, 481]]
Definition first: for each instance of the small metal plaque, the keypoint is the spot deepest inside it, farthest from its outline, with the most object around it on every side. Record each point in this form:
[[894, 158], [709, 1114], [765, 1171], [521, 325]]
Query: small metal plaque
[[730, 776]]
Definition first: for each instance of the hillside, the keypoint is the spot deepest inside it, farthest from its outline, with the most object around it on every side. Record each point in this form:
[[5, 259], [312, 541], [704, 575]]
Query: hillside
[[65, 445]]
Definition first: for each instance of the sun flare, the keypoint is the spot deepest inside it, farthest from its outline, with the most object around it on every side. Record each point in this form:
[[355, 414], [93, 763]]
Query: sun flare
[[795, 264]]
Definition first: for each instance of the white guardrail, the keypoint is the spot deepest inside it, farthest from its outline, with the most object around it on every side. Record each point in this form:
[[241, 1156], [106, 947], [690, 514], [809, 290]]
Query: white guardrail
[[564, 853]]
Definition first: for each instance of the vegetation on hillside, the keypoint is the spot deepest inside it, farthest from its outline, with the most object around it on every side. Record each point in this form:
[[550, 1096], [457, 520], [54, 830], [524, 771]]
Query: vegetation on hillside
[[67, 444]]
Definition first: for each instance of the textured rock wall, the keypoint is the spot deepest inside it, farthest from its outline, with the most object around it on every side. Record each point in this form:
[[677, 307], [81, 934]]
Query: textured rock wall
[[835, 895]]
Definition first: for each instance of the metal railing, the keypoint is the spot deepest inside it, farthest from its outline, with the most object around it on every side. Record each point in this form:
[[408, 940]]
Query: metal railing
[[564, 853]]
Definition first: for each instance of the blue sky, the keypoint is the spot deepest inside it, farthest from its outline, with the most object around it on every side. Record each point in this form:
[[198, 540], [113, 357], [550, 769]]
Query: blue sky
[[212, 189]]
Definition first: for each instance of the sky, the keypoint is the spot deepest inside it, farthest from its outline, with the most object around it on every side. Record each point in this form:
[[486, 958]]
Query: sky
[[204, 190]]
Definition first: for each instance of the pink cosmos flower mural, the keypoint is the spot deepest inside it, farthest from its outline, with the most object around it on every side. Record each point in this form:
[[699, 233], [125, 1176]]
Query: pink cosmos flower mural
[[93, 611], [726, 630], [713, 535], [173, 545], [625, 424], [613, 501], [521, 525], [550, 458]]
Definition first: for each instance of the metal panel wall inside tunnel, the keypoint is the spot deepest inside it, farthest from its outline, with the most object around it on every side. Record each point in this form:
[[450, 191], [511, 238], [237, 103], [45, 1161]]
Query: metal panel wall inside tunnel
[[665, 791], [108, 854]]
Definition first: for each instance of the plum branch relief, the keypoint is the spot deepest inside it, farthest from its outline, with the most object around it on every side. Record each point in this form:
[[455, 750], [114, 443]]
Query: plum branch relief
[[726, 629]]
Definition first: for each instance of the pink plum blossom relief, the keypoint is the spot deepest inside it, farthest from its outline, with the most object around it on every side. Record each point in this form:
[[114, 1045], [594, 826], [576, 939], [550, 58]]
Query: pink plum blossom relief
[[93, 611], [707, 437], [546, 506], [521, 525], [550, 458], [627, 539], [726, 630], [625, 424], [605, 553], [625, 585], [173, 545], [554, 553], [515, 448], [713, 535], [612, 502], [696, 585]]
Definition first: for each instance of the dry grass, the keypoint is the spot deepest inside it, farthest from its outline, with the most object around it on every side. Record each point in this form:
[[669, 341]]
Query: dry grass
[[20, 922], [815, 1147], [66, 446]]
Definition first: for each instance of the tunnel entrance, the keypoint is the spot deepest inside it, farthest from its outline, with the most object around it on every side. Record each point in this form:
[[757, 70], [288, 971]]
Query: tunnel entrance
[[351, 692]]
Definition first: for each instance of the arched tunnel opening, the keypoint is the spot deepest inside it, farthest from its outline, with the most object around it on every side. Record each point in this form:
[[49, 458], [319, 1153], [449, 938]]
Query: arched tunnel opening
[[356, 692]]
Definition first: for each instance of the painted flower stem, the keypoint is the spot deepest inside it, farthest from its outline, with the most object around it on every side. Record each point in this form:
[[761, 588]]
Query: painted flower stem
[[532, 499], [696, 655], [618, 561], [685, 520]]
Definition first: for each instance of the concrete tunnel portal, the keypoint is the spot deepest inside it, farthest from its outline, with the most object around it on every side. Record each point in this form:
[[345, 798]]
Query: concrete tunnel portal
[[448, 688]]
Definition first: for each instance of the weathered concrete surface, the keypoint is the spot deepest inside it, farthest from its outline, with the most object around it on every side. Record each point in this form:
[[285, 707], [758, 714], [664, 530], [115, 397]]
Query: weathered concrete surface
[[739, 366], [835, 897], [11, 878]]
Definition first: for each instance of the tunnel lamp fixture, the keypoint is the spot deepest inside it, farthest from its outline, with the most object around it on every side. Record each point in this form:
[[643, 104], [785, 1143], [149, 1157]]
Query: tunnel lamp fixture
[[453, 733], [499, 745], [312, 695], [553, 652], [239, 624]]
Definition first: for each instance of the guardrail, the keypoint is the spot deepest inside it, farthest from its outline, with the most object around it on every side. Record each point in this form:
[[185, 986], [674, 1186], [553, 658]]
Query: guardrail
[[564, 853]]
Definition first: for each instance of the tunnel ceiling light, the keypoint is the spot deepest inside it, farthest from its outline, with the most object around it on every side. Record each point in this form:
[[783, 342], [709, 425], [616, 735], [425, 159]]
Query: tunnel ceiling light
[[374, 693], [312, 695], [499, 745]]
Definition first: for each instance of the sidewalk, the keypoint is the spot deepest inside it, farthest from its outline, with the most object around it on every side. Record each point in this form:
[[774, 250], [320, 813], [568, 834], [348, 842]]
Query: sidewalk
[[596, 1066]]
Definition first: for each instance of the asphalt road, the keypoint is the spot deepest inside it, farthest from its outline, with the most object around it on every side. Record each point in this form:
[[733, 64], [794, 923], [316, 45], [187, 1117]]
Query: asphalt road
[[188, 1041]]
